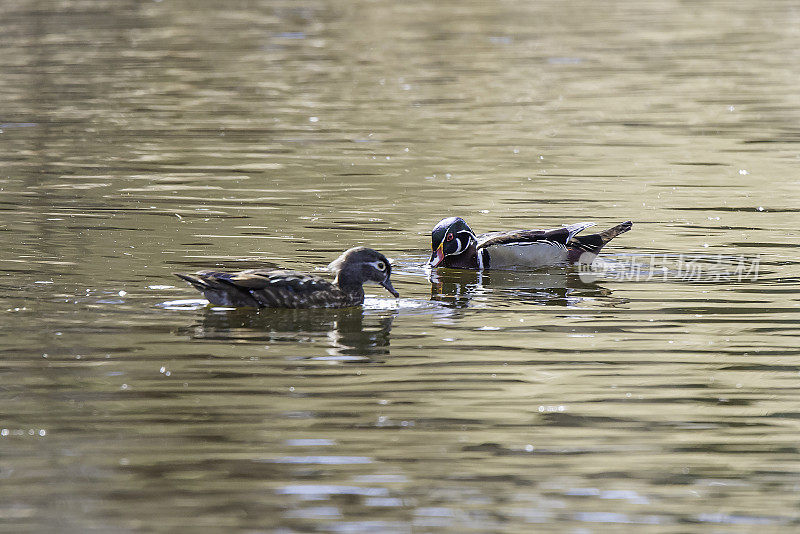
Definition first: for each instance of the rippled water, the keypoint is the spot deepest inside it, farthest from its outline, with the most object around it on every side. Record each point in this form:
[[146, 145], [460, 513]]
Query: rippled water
[[660, 393]]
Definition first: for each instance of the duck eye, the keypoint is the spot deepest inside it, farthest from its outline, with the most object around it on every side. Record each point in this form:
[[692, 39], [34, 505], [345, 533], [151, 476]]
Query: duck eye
[[380, 266], [449, 237]]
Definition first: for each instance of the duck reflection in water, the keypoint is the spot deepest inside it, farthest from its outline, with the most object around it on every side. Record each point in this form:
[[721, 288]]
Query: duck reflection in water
[[558, 286], [350, 332]]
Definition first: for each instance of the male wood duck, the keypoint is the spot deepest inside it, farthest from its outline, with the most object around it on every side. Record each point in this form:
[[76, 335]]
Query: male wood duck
[[456, 246], [266, 288]]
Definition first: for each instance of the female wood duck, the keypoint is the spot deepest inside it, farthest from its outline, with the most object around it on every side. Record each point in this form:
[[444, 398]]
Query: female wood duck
[[265, 288], [456, 246]]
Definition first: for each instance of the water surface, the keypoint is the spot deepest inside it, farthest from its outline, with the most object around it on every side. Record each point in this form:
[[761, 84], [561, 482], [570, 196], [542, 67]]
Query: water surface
[[144, 138]]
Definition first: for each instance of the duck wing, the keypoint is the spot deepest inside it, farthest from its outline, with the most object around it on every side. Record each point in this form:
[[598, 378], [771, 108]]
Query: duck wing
[[265, 288], [526, 237]]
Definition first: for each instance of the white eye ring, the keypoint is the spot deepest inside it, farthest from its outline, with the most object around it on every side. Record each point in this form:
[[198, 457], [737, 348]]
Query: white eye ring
[[381, 266]]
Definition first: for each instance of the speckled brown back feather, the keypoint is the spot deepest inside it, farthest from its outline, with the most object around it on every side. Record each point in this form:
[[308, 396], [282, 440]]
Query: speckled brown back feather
[[271, 288]]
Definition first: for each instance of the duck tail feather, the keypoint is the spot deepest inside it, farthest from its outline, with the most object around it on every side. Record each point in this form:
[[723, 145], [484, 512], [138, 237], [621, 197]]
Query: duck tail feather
[[196, 281], [614, 231], [594, 242]]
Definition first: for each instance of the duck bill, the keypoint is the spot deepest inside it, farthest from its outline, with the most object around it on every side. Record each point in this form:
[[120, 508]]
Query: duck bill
[[437, 257], [388, 285]]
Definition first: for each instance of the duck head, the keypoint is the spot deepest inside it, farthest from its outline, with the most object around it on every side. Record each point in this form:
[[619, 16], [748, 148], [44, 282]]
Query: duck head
[[359, 265], [450, 239]]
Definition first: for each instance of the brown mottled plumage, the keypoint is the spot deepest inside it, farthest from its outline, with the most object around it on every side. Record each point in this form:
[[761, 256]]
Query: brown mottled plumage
[[267, 288]]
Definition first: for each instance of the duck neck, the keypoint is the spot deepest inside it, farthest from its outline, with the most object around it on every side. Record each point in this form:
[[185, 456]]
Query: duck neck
[[466, 260], [349, 283]]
